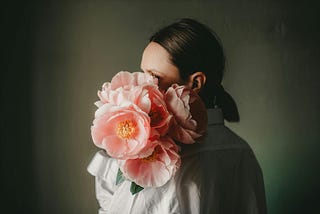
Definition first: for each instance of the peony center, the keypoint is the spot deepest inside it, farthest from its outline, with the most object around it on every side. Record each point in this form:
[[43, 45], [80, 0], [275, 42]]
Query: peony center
[[126, 129], [157, 115], [153, 156]]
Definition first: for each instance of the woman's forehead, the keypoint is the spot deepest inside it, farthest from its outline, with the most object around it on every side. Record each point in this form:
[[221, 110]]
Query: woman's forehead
[[156, 58]]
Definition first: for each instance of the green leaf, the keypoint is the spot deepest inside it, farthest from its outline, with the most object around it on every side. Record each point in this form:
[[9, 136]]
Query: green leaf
[[135, 188], [120, 177]]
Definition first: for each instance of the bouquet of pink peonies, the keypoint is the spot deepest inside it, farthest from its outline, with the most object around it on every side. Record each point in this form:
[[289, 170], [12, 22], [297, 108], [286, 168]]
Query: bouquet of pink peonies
[[138, 124]]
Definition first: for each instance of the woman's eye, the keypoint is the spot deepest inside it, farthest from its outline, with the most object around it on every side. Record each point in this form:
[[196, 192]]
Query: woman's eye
[[154, 75]]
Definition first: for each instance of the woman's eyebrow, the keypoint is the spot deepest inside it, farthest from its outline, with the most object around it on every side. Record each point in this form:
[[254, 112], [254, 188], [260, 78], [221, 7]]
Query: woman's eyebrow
[[153, 71]]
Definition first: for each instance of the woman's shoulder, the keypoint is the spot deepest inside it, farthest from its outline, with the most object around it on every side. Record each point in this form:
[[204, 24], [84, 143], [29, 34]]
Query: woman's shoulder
[[217, 139], [219, 150]]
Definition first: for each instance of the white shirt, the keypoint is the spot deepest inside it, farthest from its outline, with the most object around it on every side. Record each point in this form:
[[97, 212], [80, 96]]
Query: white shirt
[[219, 175]]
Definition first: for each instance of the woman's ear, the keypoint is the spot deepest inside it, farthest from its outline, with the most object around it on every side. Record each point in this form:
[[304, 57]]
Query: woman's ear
[[197, 81]]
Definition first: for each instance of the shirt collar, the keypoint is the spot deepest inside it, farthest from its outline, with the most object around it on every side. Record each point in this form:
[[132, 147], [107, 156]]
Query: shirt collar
[[215, 116]]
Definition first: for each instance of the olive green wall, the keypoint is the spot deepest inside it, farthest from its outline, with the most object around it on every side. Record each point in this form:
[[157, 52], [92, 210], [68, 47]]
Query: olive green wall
[[272, 51]]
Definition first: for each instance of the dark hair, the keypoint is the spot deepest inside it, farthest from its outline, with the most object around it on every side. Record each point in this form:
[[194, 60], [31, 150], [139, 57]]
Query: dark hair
[[194, 47]]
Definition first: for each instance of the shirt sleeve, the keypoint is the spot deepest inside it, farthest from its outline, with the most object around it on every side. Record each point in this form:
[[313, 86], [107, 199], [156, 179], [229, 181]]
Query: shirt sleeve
[[251, 197], [104, 168]]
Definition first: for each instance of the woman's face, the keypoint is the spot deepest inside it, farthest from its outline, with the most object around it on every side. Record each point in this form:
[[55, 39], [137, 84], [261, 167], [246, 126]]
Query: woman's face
[[156, 61]]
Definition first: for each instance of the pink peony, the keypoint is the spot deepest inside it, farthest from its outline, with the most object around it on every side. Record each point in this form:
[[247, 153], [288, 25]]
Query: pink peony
[[125, 80], [189, 123], [126, 88], [122, 131], [156, 169]]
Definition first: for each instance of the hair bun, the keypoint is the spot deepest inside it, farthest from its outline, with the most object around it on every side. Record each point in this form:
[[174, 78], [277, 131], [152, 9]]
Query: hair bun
[[227, 104], [218, 89]]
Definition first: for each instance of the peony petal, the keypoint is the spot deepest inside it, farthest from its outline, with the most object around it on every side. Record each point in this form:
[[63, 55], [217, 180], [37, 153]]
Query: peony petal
[[121, 79], [104, 109], [147, 174], [98, 104], [190, 119], [115, 147]]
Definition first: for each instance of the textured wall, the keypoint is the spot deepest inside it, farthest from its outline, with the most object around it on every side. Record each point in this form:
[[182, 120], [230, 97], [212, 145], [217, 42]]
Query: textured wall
[[272, 72]]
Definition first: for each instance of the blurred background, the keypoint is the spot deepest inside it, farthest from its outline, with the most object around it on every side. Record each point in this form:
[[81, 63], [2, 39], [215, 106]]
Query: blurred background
[[57, 54]]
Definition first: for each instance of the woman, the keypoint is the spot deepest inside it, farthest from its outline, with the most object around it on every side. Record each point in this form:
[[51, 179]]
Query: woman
[[218, 175]]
